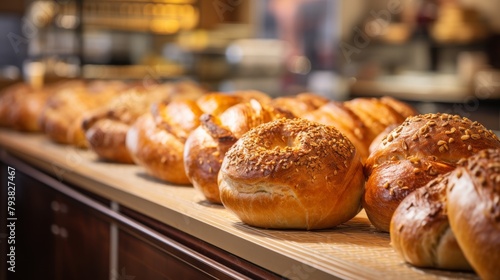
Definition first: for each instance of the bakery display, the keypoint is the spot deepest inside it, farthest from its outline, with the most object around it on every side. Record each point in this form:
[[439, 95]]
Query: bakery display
[[106, 128], [413, 154], [207, 145], [156, 140], [362, 119], [294, 174], [420, 231], [64, 111], [474, 211]]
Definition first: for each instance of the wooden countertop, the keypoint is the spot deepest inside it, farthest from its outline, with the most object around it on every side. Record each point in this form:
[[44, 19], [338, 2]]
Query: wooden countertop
[[352, 250]]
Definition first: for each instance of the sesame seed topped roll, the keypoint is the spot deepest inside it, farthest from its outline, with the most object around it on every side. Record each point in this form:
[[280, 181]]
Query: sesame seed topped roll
[[292, 174]]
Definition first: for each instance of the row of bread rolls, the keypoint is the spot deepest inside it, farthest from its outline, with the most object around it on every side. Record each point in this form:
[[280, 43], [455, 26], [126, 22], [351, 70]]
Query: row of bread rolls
[[297, 162], [359, 119], [453, 222]]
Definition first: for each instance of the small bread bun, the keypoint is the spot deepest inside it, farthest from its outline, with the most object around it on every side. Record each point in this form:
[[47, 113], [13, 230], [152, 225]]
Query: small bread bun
[[106, 128], [421, 233], [156, 140], [300, 104], [413, 154], [206, 146], [362, 119], [346, 121], [474, 211], [65, 110], [292, 174]]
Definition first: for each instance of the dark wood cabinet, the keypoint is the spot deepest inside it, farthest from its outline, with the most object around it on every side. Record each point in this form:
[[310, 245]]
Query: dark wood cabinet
[[55, 237]]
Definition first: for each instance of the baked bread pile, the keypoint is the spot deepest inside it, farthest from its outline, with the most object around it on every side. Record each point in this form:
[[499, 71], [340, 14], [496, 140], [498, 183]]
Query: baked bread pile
[[156, 140], [362, 119], [106, 128], [413, 154], [64, 111], [454, 221], [292, 173]]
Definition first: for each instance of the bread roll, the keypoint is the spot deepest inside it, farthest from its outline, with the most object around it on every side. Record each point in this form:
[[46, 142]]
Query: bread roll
[[413, 154], [292, 174], [106, 128], [300, 104], [474, 211], [206, 146], [21, 106], [421, 233], [62, 116], [156, 140], [362, 119]]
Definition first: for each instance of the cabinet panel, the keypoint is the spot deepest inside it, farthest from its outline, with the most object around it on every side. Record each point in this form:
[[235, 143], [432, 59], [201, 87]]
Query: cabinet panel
[[137, 258]]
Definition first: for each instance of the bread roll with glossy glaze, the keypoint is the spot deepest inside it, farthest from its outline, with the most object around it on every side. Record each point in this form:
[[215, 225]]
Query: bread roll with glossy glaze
[[206, 146], [156, 141], [65, 110], [362, 119], [474, 211], [300, 104], [106, 128], [420, 231], [292, 174], [413, 154]]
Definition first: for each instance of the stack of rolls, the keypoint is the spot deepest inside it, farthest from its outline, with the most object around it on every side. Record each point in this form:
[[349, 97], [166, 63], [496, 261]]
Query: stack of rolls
[[63, 113], [415, 153], [453, 222], [156, 140], [106, 128]]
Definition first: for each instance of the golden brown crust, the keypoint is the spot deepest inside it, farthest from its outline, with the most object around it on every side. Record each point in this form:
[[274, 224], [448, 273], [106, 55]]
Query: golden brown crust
[[474, 211], [421, 233], [375, 114], [342, 118], [159, 151], [106, 127], [206, 147], [292, 174], [65, 110], [300, 104], [404, 109], [21, 105], [166, 129], [413, 154]]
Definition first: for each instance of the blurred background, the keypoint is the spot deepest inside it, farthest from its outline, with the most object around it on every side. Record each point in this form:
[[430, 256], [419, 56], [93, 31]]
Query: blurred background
[[442, 55]]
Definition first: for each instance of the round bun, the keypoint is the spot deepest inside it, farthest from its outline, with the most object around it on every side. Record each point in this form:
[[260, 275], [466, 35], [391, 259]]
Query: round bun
[[300, 104], [156, 139], [292, 173], [65, 110], [362, 119], [206, 146], [106, 128], [474, 211], [421, 233], [413, 154]]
